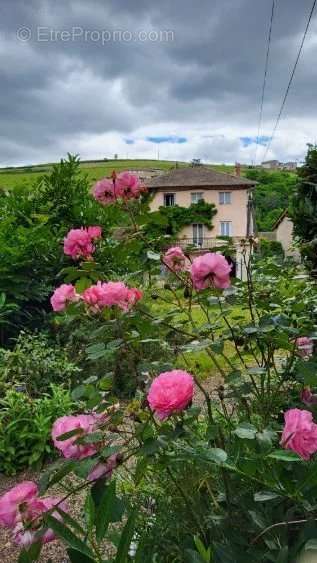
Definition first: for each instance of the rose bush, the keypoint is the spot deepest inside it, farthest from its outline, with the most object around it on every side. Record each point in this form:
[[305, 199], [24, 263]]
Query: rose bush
[[192, 473]]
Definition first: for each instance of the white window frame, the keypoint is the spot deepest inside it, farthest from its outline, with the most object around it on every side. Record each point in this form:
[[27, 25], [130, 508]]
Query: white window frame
[[226, 228], [197, 196], [169, 194], [198, 236], [225, 198]]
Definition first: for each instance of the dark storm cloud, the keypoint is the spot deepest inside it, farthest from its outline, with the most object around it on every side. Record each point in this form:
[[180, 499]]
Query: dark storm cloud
[[209, 76]]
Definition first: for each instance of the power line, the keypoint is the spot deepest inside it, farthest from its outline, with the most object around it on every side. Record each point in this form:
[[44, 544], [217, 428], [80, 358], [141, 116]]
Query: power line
[[291, 78], [264, 79]]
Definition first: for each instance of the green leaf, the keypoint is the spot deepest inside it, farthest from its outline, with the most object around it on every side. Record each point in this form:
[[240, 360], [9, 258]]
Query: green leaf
[[251, 330], [153, 255], [70, 434], [263, 496], [106, 383], [216, 454], [68, 536], [192, 556], [78, 392], [104, 511], [90, 438], [266, 437], [49, 478], [109, 450], [204, 553], [285, 455], [125, 539], [140, 469], [77, 557], [31, 554], [150, 447], [245, 431], [67, 519], [96, 351], [82, 284]]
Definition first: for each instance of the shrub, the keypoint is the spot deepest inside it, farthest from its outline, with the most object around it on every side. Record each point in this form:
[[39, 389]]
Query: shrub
[[25, 427], [271, 248], [34, 364], [229, 478]]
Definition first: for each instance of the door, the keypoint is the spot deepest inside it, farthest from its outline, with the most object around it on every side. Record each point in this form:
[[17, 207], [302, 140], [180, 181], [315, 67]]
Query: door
[[198, 234]]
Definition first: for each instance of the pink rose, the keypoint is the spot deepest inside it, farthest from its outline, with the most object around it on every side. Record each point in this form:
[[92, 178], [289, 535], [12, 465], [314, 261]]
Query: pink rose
[[78, 244], [170, 392], [95, 232], [128, 185], [299, 433], [111, 294], [103, 469], [26, 530], [209, 270], [176, 260], [13, 500], [86, 424], [116, 293], [63, 295], [304, 346], [93, 296], [308, 397], [133, 296], [104, 192], [21, 509]]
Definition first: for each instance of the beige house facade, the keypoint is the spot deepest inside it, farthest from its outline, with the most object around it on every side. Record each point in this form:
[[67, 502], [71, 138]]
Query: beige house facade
[[283, 233], [231, 195]]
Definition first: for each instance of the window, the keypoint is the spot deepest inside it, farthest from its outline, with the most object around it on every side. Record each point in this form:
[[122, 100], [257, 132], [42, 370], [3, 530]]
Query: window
[[197, 196], [198, 234], [226, 228], [169, 200], [224, 198]]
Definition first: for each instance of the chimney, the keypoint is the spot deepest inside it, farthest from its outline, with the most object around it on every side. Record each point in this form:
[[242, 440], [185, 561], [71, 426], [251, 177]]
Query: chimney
[[238, 169]]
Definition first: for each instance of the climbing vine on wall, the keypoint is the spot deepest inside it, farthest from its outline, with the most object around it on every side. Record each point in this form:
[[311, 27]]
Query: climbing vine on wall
[[169, 221]]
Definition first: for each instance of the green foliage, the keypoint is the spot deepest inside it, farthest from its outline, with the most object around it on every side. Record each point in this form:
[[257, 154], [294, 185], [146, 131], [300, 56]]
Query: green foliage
[[116, 350], [168, 221], [212, 480], [34, 363], [271, 248], [304, 206], [272, 195], [25, 427]]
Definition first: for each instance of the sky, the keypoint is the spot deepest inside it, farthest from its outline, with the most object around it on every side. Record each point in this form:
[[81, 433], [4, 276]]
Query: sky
[[174, 79]]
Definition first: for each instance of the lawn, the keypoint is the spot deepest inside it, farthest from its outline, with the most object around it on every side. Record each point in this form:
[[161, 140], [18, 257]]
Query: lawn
[[200, 362]]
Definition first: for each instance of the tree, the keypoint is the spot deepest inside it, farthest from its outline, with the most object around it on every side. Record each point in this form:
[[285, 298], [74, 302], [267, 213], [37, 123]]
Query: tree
[[304, 206], [272, 195]]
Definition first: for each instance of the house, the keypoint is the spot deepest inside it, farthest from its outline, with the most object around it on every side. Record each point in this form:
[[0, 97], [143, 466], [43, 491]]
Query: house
[[283, 233], [289, 166], [232, 196], [276, 165], [271, 164]]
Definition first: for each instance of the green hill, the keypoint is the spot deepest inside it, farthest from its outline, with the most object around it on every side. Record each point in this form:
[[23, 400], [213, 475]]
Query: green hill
[[271, 196], [24, 176]]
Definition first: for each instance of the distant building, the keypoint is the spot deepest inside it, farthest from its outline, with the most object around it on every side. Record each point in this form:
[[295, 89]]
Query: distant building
[[232, 196], [276, 165], [289, 165], [270, 164], [282, 231]]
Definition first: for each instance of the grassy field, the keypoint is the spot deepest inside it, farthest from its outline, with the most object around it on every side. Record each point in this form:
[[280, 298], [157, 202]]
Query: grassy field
[[28, 175]]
